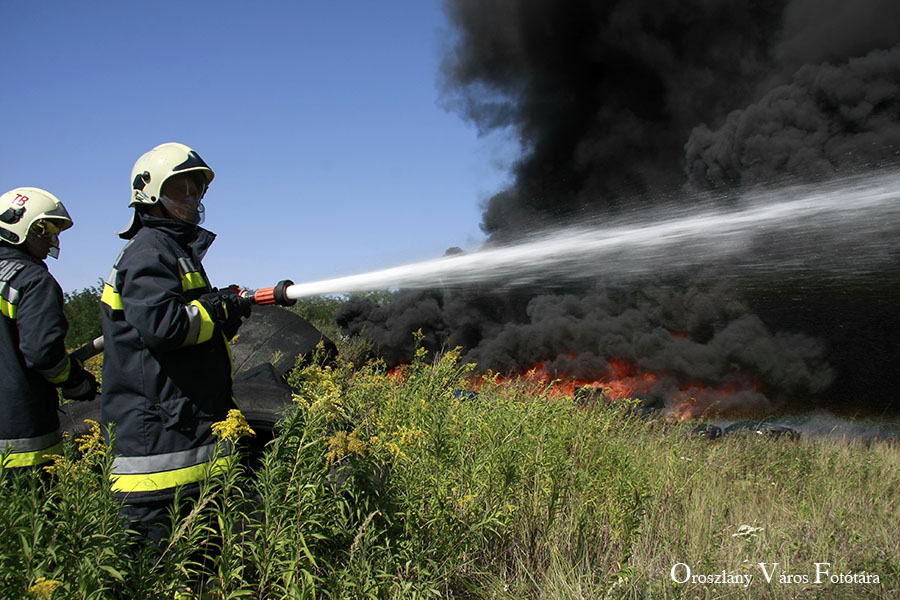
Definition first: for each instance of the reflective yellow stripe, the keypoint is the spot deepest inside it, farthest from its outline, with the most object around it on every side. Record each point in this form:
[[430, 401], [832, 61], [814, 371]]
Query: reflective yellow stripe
[[192, 281], [207, 326], [62, 376], [149, 482], [29, 459], [8, 309], [111, 297]]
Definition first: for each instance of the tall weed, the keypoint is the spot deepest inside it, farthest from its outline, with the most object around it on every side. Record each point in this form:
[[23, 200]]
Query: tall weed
[[429, 482]]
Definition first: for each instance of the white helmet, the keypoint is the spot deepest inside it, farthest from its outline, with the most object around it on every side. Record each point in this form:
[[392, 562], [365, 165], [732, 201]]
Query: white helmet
[[26, 206], [153, 168]]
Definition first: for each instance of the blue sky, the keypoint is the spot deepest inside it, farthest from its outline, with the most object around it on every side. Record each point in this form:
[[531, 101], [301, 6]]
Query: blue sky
[[322, 120]]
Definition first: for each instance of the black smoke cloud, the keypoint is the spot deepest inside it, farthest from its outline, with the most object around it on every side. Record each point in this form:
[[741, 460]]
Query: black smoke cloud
[[686, 335], [621, 105], [602, 95], [831, 119], [821, 32]]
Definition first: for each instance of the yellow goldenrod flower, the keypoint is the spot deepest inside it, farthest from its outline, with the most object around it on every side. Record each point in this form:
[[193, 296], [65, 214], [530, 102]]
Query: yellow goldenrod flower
[[337, 447], [91, 444], [407, 436], [342, 444], [320, 387], [234, 426], [395, 450], [44, 587], [355, 445]]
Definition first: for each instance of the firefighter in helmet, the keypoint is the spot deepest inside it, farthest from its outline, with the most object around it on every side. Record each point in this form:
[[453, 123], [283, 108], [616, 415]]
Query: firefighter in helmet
[[167, 367], [33, 358]]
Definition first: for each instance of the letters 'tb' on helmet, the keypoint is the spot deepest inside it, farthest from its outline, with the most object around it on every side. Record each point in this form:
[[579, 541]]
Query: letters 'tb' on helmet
[[22, 207], [153, 168]]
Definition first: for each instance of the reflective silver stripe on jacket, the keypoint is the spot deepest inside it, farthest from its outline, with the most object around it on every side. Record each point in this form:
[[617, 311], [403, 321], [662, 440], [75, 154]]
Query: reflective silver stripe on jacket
[[9, 293], [134, 465], [185, 266], [195, 324], [8, 269], [31, 444]]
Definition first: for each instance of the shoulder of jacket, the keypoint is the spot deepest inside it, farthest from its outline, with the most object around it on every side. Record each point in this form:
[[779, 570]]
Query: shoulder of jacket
[[149, 244], [9, 269], [147, 253], [24, 276], [13, 268]]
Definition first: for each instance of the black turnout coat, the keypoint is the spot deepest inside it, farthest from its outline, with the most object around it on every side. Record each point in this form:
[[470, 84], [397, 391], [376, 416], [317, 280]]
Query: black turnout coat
[[33, 358], [167, 371]]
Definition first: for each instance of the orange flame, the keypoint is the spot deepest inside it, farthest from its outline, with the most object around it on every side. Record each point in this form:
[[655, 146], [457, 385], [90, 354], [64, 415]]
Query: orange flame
[[623, 380]]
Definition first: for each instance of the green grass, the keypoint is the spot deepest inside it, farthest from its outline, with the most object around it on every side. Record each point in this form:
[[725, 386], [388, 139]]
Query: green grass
[[388, 486]]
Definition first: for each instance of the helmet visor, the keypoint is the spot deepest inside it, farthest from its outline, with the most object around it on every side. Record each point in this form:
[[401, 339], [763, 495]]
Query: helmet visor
[[48, 232], [189, 210], [180, 196], [47, 229]]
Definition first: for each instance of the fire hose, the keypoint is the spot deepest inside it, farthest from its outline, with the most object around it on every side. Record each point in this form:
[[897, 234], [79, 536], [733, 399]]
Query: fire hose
[[277, 294]]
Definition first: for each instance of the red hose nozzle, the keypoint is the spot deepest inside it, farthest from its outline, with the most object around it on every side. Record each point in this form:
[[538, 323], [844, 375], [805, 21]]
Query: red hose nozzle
[[274, 295]]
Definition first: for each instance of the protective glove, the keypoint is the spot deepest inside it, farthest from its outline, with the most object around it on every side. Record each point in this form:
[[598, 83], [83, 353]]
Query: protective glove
[[226, 308], [232, 293], [80, 384]]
